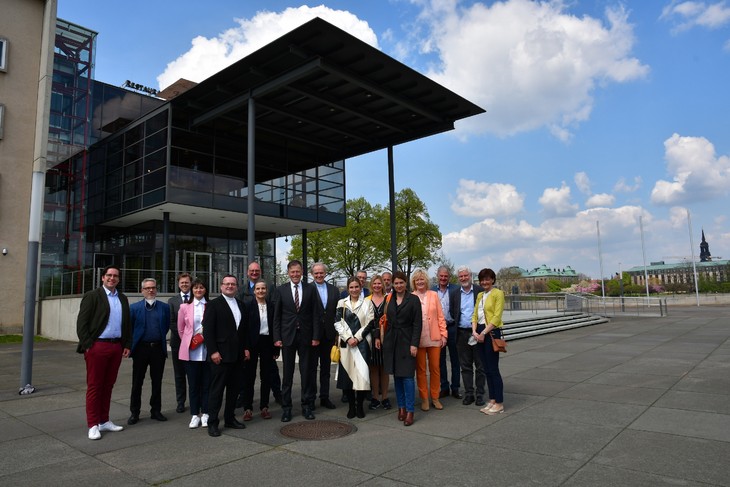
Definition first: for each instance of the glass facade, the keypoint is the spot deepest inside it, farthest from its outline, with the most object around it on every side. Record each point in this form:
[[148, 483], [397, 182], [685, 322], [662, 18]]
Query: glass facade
[[115, 154]]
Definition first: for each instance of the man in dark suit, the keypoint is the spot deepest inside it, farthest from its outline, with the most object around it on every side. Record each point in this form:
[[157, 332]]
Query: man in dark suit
[[184, 296], [225, 329], [443, 289], [297, 331], [150, 322], [362, 276], [461, 306], [245, 295], [105, 336], [327, 297]]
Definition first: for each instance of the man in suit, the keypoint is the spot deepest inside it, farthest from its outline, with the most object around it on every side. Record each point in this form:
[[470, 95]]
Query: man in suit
[[362, 276], [297, 331], [246, 294], [184, 281], [327, 297], [105, 336], [225, 326], [150, 321], [443, 289], [461, 306]]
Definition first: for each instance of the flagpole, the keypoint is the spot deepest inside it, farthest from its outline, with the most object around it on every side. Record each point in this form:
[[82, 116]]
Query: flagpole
[[600, 258], [643, 253], [694, 264]]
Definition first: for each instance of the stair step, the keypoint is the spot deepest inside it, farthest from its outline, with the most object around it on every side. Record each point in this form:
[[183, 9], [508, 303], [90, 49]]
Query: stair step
[[540, 326]]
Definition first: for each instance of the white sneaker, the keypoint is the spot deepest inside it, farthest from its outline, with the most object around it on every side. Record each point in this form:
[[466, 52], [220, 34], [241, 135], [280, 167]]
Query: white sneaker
[[109, 426], [194, 422], [94, 433], [204, 420]]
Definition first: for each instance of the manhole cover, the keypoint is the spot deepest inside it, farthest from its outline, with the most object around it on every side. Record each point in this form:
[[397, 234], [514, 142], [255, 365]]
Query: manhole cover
[[317, 430]]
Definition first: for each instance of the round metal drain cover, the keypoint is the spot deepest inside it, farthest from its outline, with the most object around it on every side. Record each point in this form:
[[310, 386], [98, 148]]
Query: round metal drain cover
[[317, 430]]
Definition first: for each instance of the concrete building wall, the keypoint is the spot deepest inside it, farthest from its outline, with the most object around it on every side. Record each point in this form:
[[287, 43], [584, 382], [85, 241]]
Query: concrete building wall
[[23, 93]]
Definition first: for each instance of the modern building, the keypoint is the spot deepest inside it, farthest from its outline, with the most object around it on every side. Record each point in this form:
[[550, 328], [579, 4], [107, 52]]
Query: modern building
[[202, 177]]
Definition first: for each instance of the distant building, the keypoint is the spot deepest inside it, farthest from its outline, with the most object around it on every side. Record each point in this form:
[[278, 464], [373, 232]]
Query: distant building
[[535, 280], [683, 272]]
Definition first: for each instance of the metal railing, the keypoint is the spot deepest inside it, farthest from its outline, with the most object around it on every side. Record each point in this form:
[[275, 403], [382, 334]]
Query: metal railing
[[617, 306]]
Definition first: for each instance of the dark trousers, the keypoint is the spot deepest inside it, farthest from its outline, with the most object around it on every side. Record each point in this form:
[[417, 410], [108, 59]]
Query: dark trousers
[[225, 376], [453, 359], [102, 366], [178, 367], [307, 373], [471, 363], [322, 357], [490, 358], [147, 355], [198, 373], [275, 379], [262, 353]]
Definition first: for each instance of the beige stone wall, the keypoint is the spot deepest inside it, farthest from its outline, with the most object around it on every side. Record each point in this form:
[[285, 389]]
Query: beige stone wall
[[21, 23]]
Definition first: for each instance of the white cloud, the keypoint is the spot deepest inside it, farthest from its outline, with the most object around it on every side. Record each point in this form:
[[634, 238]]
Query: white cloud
[[622, 186], [481, 199], [529, 64], [697, 172], [208, 56], [601, 200], [556, 201], [583, 182], [678, 217], [700, 14]]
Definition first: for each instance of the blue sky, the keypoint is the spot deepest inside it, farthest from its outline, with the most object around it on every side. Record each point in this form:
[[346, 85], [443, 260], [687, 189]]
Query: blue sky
[[597, 111]]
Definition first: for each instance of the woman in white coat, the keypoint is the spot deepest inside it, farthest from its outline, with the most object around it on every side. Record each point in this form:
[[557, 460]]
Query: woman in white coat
[[354, 323]]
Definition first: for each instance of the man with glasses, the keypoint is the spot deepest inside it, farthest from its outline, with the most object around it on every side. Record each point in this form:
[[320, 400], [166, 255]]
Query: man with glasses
[[150, 322], [225, 326], [105, 336]]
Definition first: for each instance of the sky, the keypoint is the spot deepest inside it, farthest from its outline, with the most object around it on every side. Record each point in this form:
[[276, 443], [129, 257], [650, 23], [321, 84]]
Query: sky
[[599, 114]]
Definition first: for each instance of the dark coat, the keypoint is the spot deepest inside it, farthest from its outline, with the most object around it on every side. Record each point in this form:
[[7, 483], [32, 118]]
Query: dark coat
[[175, 303], [254, 322], [138, 314], [404, 331], [326, 316], [94, 316], [287, 320], [455, 301], [220, 333]]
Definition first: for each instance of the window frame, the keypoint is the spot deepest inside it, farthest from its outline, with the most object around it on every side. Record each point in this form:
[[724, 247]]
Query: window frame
[[3, 54]]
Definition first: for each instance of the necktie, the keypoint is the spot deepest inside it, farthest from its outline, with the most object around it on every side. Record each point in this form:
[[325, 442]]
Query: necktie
[[296, 297], [185, 298]]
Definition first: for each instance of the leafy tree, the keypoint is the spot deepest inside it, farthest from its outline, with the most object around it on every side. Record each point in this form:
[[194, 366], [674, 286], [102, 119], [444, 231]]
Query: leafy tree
[[508, 277], [554, 286], [418, 238]]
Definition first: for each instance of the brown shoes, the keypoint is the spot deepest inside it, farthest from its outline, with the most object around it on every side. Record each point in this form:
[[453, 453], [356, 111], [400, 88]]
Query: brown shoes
[[425, 405], [409, 419], [265, 413], [401, 414], [437, 404]]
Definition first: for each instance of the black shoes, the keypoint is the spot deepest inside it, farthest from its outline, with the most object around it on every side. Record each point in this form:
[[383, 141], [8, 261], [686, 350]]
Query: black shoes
[[443, 393], [307, 412], [156, 415], [480, 401], [213, 430], [286, 416], [374, 404], [326, 403], [455, 394], [133, 419], [468, 399], [180, 408], [234, 424]]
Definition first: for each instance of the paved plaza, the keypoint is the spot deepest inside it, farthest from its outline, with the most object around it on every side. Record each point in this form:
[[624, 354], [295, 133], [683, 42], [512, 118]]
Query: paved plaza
[[637, 401]]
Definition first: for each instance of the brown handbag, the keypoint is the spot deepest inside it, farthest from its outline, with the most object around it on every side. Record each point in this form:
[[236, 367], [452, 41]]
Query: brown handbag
[[498, 344]]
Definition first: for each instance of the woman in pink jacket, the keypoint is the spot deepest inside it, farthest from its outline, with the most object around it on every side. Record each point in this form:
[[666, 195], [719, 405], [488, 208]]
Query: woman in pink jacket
[[433, 339], [190, 325]]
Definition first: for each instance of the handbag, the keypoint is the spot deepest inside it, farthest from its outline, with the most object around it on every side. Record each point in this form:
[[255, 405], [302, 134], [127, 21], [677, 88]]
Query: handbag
[[383, 321], [498, 344], [335, 353], [196, 341]]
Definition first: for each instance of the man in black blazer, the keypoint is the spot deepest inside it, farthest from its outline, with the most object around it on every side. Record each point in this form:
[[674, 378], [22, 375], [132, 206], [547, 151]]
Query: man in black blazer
[[327, 297], [297, 331], [225, 327], [105, 336], [461, 306], [184, 282]]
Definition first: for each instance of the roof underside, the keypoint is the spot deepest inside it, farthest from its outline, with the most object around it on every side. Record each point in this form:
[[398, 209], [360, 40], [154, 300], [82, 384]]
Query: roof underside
[[321, 95]]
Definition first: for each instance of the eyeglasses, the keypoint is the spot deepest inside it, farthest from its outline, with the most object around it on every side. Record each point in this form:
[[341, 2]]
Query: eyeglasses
[[149, 289], [113, 276], [230, 284]]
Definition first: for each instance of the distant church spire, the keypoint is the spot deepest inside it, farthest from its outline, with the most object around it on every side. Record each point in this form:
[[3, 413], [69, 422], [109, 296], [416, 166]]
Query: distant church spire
[[705, 255]]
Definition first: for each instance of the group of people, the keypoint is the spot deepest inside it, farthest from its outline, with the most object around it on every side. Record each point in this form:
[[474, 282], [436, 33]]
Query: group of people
[[219, 345]]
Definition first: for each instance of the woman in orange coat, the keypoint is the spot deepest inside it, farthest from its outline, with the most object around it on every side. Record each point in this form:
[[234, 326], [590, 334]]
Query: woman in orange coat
[[433, 339]]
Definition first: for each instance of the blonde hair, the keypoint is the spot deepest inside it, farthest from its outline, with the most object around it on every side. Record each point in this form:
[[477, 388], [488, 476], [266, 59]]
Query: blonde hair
[[416, 274]]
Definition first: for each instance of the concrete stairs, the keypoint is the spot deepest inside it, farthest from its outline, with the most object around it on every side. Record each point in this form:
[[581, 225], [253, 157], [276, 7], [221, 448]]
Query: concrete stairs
[[522, 326]]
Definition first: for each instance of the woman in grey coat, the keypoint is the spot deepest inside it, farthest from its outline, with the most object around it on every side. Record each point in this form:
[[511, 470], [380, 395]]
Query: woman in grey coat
[[400, 345]]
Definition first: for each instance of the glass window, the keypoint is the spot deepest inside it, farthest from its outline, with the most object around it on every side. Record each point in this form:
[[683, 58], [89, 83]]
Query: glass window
[[3, 54], [2, 119], [156, 123]]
